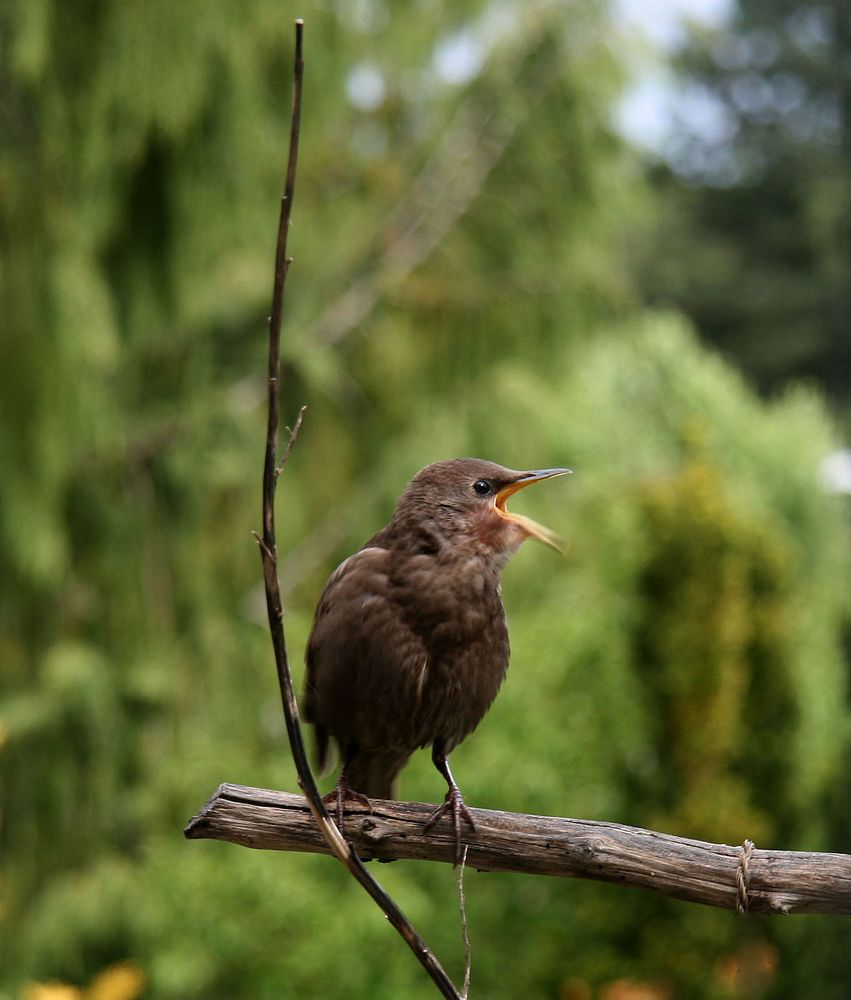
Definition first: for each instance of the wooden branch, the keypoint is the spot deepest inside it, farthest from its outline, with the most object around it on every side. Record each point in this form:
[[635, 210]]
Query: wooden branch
[[779, 882]]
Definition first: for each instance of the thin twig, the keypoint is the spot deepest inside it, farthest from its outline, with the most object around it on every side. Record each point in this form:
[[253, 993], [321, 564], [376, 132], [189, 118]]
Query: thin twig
[[269, 552], [292, 439], [462, 904]]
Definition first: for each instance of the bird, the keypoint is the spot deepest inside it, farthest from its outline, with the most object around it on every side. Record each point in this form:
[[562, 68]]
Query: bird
[[409, 644]]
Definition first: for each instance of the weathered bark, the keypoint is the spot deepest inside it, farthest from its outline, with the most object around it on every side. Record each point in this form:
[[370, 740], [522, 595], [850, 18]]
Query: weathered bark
[[714, 874]]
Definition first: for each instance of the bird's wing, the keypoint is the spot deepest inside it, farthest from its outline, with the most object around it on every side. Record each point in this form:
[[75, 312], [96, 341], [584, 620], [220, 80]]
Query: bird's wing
[[362, 657]]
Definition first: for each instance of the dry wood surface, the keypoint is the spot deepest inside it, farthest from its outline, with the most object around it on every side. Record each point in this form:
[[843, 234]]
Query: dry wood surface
[[743, 877]]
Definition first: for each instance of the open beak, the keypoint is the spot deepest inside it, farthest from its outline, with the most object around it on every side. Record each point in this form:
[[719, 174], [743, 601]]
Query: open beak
[[526, 523]]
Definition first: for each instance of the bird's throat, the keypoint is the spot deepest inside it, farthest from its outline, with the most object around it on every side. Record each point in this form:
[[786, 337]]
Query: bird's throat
[[527, 528], [500, 533]]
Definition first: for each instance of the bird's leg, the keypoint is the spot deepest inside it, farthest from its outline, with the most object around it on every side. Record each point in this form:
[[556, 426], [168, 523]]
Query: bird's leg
[[454, 801], [343, 792]]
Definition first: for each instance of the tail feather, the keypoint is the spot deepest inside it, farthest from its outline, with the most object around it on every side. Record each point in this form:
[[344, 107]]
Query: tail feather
[[322, 750], [374, 773]]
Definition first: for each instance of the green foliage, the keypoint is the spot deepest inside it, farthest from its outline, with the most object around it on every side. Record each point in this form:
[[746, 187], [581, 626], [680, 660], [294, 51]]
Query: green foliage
[[713, 647], [681, 668]]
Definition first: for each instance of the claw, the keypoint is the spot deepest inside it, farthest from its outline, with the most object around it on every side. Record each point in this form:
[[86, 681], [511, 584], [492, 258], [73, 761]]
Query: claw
[[454, 803], [343, 792]]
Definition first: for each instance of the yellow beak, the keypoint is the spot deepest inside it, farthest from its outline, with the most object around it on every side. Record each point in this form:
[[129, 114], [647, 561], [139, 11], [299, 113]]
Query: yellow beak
[[531, 527]]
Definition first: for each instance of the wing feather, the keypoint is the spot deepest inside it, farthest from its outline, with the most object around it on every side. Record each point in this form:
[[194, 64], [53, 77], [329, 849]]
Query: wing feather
[[361, 658]]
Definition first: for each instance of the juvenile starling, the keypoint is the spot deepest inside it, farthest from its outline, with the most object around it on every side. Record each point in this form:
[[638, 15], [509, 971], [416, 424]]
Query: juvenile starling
[[409, 643]]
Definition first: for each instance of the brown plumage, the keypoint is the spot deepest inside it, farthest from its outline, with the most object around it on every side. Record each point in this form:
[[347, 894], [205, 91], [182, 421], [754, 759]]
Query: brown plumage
[[409, 643]]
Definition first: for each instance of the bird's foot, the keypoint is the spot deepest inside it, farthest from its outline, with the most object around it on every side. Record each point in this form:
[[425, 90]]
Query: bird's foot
[[454, 804], [343, 792]]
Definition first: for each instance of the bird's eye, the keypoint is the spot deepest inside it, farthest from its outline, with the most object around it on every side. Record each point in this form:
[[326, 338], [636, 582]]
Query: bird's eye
[[482, 487]]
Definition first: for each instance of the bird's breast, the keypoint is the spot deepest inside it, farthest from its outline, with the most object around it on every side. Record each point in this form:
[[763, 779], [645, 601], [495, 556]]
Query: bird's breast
[[406, 648], [460, 619], [449, 602]]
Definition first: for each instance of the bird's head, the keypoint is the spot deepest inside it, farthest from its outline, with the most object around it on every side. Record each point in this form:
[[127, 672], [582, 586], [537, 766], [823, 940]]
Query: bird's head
[[465, 500]]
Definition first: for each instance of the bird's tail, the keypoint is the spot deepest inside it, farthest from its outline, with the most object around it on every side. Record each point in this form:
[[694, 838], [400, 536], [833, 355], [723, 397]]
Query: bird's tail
[[322, 755], [322, 749], [374, 773]]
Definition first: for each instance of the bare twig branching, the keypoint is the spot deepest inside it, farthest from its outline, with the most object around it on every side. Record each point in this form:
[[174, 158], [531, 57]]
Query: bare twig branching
[[291, 441], [331, 836], [743, 878]]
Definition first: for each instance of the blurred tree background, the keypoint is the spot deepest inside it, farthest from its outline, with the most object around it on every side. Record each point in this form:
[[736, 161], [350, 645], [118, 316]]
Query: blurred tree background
[[760, 234], [483, 266]]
